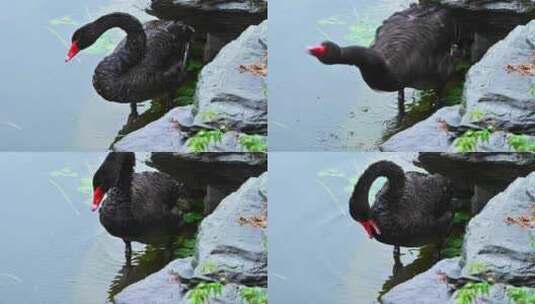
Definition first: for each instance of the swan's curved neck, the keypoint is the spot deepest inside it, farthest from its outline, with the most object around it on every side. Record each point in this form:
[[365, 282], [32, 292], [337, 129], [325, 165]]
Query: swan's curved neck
[[135, 40], [124, 182], [362, 57], [359, 206]]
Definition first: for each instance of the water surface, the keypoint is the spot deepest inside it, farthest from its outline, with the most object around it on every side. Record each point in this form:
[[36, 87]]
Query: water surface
[[45, 103], [54, 249], [318, 253], [318, 107]]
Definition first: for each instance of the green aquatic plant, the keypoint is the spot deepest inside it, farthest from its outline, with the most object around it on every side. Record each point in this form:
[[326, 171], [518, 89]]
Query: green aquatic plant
[[521, 295], [521, 143], [185, 247], [469, 293], [203, 292], [468, 141], [461, 217], [454, 95], [453, 247], [253, 143], [254, 295], [192, 217], [200, 141]]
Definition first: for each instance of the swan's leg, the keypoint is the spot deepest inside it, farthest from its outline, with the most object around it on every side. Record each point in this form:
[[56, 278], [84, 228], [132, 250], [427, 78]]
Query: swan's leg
[[401, 101], [397, 260], [133, 109], [128, 252]]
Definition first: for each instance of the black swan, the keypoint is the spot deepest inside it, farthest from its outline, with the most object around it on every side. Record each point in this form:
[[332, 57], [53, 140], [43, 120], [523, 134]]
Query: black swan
[[140, 207], [411, 210], [413, 48], [150, 61]]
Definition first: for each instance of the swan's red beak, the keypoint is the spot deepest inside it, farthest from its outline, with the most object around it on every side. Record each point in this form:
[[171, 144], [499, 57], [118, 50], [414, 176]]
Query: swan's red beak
[[72, 51], [371, 228], [318, 51], [98, 194]]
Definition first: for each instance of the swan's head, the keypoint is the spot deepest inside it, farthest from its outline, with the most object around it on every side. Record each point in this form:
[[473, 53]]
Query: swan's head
[[371, 228], [360, 212], [83, 38], [327, 52], [109, 173]]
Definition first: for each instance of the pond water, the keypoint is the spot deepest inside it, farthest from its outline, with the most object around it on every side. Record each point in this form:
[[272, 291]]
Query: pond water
[[318, 253], [49, 105], [319, 107], [55, 250]]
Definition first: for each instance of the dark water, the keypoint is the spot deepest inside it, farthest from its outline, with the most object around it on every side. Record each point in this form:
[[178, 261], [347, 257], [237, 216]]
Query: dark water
[[318, 107], [317, 253], [45, 103], [54, 249]]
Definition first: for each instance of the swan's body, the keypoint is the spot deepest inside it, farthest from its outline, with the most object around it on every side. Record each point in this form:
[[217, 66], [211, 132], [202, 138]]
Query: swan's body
[[140, 207], [411, 210], [149, 62], [413, 48]]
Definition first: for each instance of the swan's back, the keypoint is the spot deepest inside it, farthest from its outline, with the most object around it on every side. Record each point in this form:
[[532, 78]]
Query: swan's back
[[158, 71], [155, 196], [416, 43], [421, 216]]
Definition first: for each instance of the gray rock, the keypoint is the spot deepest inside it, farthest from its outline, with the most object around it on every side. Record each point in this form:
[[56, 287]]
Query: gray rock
[[168, 134], [212, 16], [428, 135], [495, 249], [162, 135], [426, 288], [491, 170], [201, 169], [165, 287], [229, 97], [161, 287], [502, 97], [511, 6], [229, 247]]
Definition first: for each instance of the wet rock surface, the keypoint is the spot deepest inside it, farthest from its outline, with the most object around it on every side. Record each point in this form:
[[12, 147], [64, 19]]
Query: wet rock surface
[[228, 247], [230, 96], [498, 90], [501, 247], [430, 135], [425, 288], [212, 16]]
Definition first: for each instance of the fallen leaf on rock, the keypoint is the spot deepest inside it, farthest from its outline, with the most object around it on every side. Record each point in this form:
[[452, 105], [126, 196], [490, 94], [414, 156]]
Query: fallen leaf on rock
[[524, 69], [257, 221]]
